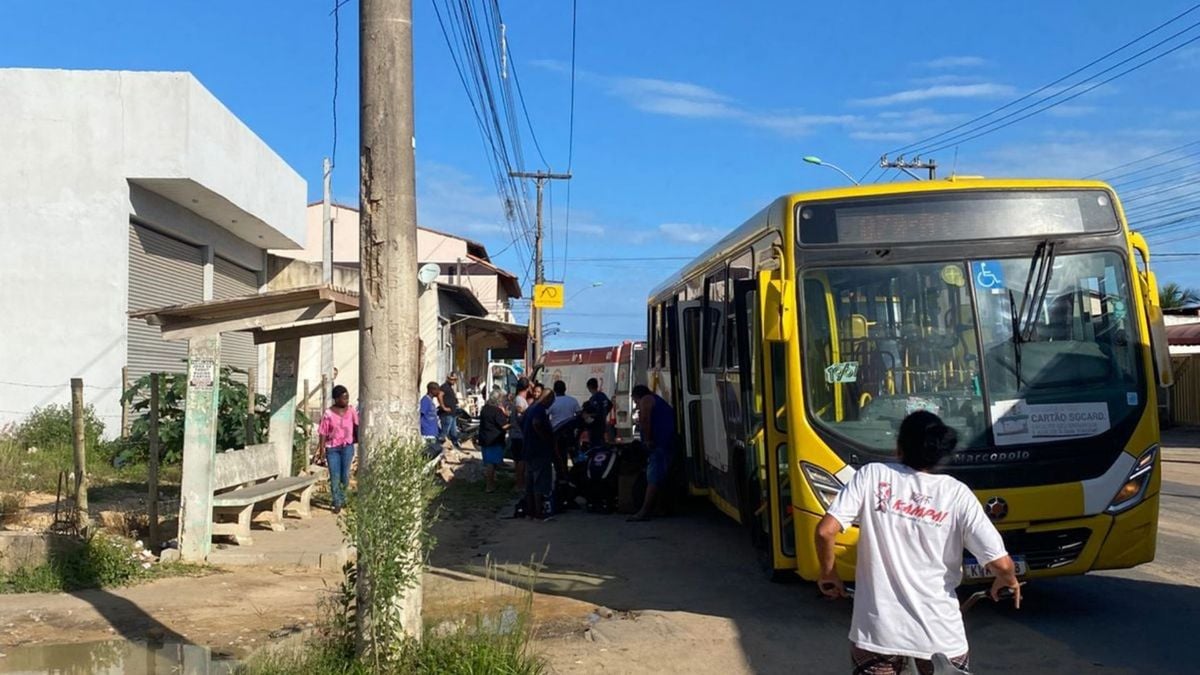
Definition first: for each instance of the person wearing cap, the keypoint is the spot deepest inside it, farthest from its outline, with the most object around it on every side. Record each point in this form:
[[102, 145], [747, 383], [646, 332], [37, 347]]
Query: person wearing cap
[[448, 414]]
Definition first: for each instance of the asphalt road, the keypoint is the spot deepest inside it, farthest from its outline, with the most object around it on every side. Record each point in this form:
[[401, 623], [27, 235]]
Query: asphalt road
[[689, 598]]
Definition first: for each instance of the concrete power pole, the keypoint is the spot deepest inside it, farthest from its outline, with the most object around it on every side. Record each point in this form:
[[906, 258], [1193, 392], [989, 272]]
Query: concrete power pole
[[327, 273], [388, 310], [535, 313]]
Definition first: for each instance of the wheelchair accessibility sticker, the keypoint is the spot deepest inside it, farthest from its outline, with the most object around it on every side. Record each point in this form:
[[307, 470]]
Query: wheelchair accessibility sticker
[[988, 275]]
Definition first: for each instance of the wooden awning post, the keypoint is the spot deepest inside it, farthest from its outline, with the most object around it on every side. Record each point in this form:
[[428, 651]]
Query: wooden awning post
[[283, 402], [199, 446]]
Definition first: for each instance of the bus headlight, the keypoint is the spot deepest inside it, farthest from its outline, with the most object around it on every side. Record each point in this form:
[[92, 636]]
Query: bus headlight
[[1134, 488], [824, 484]]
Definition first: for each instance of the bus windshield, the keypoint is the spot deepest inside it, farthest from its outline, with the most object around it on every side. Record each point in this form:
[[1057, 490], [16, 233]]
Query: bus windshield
[[1059, 348]]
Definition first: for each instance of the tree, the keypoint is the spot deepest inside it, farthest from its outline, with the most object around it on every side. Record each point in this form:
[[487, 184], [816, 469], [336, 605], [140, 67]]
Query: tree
[[231, 422], [1174, 296]]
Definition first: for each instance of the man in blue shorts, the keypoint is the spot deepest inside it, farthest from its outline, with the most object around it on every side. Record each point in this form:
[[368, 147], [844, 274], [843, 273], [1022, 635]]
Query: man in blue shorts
[[656, 419]]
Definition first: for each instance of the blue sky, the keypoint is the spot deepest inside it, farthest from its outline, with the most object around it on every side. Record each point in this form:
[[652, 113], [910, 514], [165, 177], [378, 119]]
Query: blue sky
[[690, 116]]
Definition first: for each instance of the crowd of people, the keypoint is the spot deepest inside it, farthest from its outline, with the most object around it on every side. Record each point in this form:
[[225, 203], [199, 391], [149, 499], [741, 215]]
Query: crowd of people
[[542, 430]]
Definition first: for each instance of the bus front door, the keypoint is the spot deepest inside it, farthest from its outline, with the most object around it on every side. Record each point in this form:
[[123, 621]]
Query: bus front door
[[763, 504]]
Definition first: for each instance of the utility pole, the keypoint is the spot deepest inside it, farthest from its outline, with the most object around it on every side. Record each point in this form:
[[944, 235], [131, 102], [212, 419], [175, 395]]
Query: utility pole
[[535, 312], [388, 309], [327, 268], [905, 166]]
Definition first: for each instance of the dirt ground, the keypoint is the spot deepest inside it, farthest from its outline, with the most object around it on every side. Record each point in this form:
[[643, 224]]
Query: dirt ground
[[675, 595], [231, 611]]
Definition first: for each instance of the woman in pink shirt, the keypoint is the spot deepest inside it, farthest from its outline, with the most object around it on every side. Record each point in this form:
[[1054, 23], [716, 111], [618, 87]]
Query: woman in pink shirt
[[336, 432]]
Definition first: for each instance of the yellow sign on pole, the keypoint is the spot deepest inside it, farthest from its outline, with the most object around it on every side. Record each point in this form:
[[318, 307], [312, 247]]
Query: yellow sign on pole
[[548, 296]]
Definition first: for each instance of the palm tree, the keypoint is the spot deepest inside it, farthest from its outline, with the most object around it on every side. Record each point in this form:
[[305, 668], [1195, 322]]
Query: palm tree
[[1174, 296]]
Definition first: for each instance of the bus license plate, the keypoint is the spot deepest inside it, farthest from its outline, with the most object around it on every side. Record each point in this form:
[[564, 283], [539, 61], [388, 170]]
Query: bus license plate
[[973, 570]]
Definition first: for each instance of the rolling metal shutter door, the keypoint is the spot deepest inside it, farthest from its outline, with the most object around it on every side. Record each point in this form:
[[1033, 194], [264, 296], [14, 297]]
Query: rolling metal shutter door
[[162, 271], [231, 280]]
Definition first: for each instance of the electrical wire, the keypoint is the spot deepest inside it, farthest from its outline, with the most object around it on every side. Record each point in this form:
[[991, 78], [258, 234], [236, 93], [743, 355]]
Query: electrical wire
[[337, 32], [972, 121], [1139, 161], [570, 139], [984, 131]]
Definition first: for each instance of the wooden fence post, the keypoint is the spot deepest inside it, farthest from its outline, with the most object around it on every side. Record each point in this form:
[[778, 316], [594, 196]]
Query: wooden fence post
[[78, 438], [325, 397], [124, 402], [251, 405], [152, 506]]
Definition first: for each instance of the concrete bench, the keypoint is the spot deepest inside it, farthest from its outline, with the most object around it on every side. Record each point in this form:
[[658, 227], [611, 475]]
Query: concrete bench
[[245, 479]]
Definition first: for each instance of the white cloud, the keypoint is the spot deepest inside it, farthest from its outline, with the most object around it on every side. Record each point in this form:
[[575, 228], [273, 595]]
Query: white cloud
[[1065, 156], [588, 229], [956, 62], [686, 233], [947, 78], [981, 90], [1187, 58], [798, 124], [667, 97]]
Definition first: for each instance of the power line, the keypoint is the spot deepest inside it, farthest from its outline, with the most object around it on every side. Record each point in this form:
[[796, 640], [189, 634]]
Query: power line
[[634, 258], [570, 138], [980, 132], [1044, 87], [1139, 161], [336, 68]]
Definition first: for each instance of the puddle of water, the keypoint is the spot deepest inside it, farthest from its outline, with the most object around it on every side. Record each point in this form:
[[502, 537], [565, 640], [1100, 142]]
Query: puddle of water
[[114, 657]]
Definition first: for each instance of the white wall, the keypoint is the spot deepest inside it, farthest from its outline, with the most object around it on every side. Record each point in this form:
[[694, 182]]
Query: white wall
[[72, 140]]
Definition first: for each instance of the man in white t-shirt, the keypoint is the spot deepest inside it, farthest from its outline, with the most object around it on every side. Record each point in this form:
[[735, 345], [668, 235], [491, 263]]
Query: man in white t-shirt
[[913, 526], [565, 407]]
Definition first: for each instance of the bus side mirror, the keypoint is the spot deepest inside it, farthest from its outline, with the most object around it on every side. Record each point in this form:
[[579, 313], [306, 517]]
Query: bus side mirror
[[779, 311], [1159, 346]]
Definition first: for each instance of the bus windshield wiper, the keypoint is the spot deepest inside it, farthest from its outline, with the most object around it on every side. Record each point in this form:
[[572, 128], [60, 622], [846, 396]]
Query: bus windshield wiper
[[1033, 297], [1044, 258]]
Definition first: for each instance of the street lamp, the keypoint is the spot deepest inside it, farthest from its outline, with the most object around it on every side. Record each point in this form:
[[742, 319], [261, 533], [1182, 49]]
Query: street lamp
[[813, 159], [595, 284]]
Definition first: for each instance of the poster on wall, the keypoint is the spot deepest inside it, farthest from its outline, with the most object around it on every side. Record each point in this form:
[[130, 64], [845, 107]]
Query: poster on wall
[[1016, 421]]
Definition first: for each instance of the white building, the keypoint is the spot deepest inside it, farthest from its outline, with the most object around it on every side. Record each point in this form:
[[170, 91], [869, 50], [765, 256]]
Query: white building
[[466, 313], [123, 191]]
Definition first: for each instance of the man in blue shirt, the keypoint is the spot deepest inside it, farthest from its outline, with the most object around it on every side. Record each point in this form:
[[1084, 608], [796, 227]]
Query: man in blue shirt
[[429, 418], [539, 454], [597, 408]]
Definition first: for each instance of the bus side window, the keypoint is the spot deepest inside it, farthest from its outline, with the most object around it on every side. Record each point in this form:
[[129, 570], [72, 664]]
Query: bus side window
[[817, 341], [714, 321], [691, 348]]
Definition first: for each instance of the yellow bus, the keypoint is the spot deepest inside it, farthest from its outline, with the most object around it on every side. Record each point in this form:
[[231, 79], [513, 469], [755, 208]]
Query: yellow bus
[[1023, 312]]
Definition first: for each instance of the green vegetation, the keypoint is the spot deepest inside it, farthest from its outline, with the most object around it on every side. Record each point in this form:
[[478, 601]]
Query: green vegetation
[[381, 520], [51, 425], [463, 652], [1174, 296], [22, 471], [102, 561], [231, 424]]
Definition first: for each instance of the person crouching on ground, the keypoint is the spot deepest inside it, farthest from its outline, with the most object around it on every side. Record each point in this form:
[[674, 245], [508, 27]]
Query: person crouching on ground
[[913, 526], [336, 444], [493, 426], [656, 421]]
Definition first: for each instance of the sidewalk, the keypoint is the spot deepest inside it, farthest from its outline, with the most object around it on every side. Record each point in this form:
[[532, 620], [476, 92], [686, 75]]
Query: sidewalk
[[1181, 444]]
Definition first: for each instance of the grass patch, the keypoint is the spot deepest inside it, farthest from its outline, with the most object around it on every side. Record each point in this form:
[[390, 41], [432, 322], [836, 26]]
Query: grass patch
[[459, 497], [478, 650], [103, 561], [24, 471]]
